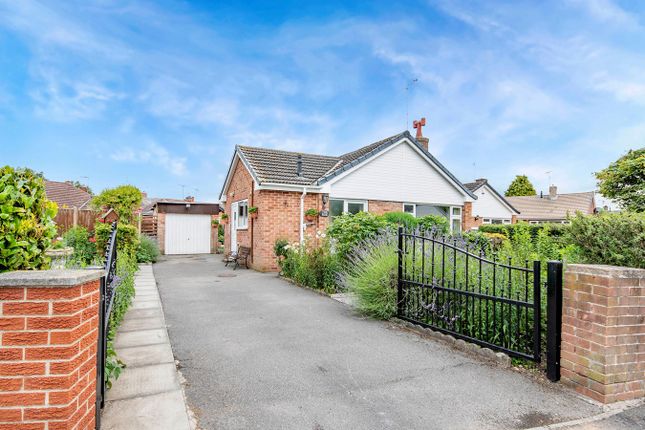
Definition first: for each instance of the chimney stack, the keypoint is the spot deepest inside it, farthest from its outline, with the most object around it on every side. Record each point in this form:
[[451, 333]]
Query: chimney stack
[[553, 192], [424, 141], [299, 165]]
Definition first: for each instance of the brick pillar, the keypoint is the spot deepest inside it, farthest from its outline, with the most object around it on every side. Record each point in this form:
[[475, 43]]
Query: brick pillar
[[513, 219], [603, 331], [48, 338], [468, 221]]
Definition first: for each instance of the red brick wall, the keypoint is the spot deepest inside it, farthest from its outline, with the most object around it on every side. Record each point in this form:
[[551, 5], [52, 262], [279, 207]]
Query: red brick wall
[[468, 221], [161, 232], [240, 188], [603, 331], [48, 356], [378, 207]]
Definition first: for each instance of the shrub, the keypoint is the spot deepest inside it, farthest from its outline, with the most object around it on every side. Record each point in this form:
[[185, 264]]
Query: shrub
[[401, 218], [555, 230], [84, 248], [617, 239], [311, 212], [148, 250], [310, 267], [127, 238], [347, 230], [437, 223], [124, 199], [280, 248], [26, 220], [372, 275]]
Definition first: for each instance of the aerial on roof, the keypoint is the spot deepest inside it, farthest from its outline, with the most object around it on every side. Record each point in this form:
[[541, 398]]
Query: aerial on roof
[[66, 195], [273, 166], [553, 208]]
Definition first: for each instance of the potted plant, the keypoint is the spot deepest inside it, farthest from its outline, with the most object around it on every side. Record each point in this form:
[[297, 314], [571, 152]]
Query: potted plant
[[215, 222], [311, 214], [224, 218], [253, 211]]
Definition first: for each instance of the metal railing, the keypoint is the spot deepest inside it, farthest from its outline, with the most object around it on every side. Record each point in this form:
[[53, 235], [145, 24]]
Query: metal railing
[[446, 285]]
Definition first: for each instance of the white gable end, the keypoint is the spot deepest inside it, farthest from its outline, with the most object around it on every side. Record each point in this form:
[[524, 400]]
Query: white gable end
[[488, 205], [399, 174]]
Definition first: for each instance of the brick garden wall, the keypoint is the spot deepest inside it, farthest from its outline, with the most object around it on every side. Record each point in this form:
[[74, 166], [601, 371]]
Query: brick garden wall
[[603, 331], [48, 353]]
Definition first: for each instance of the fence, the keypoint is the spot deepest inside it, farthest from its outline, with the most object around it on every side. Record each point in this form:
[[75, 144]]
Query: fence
[[106, 300], [149, 225], [445, 285], [67, 218]]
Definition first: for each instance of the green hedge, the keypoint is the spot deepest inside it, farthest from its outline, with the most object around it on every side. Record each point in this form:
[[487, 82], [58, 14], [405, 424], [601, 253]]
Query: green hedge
[[509, 230], [617, 239], [26, 220]]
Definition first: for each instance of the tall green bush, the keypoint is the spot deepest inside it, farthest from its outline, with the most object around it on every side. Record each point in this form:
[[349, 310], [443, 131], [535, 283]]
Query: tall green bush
[[315, 267], [347, 230], [610, 238], [84, 249], [127, 238], [26, 220], [401, 218], [435, 223], [124, 199]]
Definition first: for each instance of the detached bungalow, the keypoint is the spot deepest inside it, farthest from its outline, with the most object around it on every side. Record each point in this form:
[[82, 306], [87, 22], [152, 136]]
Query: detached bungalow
[[394, 174], [490, 207], [553, 207]]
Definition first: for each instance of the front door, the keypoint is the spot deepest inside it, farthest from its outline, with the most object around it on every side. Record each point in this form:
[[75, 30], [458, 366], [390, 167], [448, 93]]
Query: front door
[[233, 226]]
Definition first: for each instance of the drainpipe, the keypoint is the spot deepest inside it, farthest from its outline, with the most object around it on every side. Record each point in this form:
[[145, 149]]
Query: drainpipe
[[302, 215]]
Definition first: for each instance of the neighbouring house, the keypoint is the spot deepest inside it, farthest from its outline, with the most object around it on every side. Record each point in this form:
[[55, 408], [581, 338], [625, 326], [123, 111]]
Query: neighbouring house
[[67, 195], [73, 205], [181, 226], [553, 207], [394, 174], [490, 207]]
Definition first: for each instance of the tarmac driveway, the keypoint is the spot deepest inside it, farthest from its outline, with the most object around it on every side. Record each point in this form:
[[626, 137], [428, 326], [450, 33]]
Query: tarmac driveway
[[260, 353]]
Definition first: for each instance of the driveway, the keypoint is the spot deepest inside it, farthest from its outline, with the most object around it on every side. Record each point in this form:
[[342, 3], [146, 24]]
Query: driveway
[[260, 353]]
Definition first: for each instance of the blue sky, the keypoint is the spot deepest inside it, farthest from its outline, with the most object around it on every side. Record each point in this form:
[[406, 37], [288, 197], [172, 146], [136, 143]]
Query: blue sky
[[157, 94]]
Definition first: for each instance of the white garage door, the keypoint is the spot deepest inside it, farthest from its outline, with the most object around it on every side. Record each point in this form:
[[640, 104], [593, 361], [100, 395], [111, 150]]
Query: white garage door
[[188, 234]]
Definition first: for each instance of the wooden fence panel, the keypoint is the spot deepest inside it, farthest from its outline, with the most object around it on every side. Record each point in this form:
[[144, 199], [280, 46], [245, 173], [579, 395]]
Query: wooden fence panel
[[149, 225], [65, 219]]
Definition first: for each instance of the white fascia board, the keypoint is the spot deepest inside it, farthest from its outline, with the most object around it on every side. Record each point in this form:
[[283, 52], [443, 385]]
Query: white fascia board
[[467, 198], [287, 187], [237, 157]]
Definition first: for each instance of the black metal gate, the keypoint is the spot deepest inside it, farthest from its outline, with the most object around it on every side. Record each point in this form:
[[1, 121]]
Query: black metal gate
[[445, 285], [105, 309]]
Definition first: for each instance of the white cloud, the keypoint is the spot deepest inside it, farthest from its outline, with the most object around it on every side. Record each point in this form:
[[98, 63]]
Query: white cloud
[[606, 11], [151, 153]]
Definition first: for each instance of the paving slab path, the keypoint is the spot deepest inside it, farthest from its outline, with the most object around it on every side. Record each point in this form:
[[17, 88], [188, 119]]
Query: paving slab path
[[260, 353], [148, 393]]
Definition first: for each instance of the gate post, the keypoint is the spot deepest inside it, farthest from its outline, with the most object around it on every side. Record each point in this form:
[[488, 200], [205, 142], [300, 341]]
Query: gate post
[[553, 319], [537, 311], [399, 284]]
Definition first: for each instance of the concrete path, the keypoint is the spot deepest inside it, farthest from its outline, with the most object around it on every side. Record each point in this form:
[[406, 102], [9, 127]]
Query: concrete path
[[260, 353], [148, 393]]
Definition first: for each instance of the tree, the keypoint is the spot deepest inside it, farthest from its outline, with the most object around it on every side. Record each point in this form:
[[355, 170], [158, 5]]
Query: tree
[[624, 181], [82, 186], [124, 199], [521, 186], [26, 220]]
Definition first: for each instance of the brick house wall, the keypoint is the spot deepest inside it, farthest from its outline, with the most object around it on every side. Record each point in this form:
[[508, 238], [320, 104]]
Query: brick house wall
[[278, 217], [603, 331], [378, 207], [48, 352]]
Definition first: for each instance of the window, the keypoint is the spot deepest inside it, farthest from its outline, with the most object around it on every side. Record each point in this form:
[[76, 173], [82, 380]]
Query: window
[[242, 214], [496, 221], [338, 207], [455, 219], [410, 208]]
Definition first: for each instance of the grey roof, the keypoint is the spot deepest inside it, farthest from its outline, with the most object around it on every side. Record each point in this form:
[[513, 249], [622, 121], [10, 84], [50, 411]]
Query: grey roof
[[478, 183], [279, 167], [545, 208]]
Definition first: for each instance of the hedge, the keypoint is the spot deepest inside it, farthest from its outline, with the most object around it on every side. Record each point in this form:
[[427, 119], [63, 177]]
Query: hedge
[[508, 230]]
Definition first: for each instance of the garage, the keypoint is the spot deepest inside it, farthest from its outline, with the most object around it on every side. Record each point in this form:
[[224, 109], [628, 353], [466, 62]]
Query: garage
[[188, 234], [186, 227]]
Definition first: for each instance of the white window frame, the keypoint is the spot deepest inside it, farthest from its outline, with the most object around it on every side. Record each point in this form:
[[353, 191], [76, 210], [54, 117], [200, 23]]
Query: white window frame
[[456, 217], [490, 221], [414, 208], [347, 202], [242, 221]]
